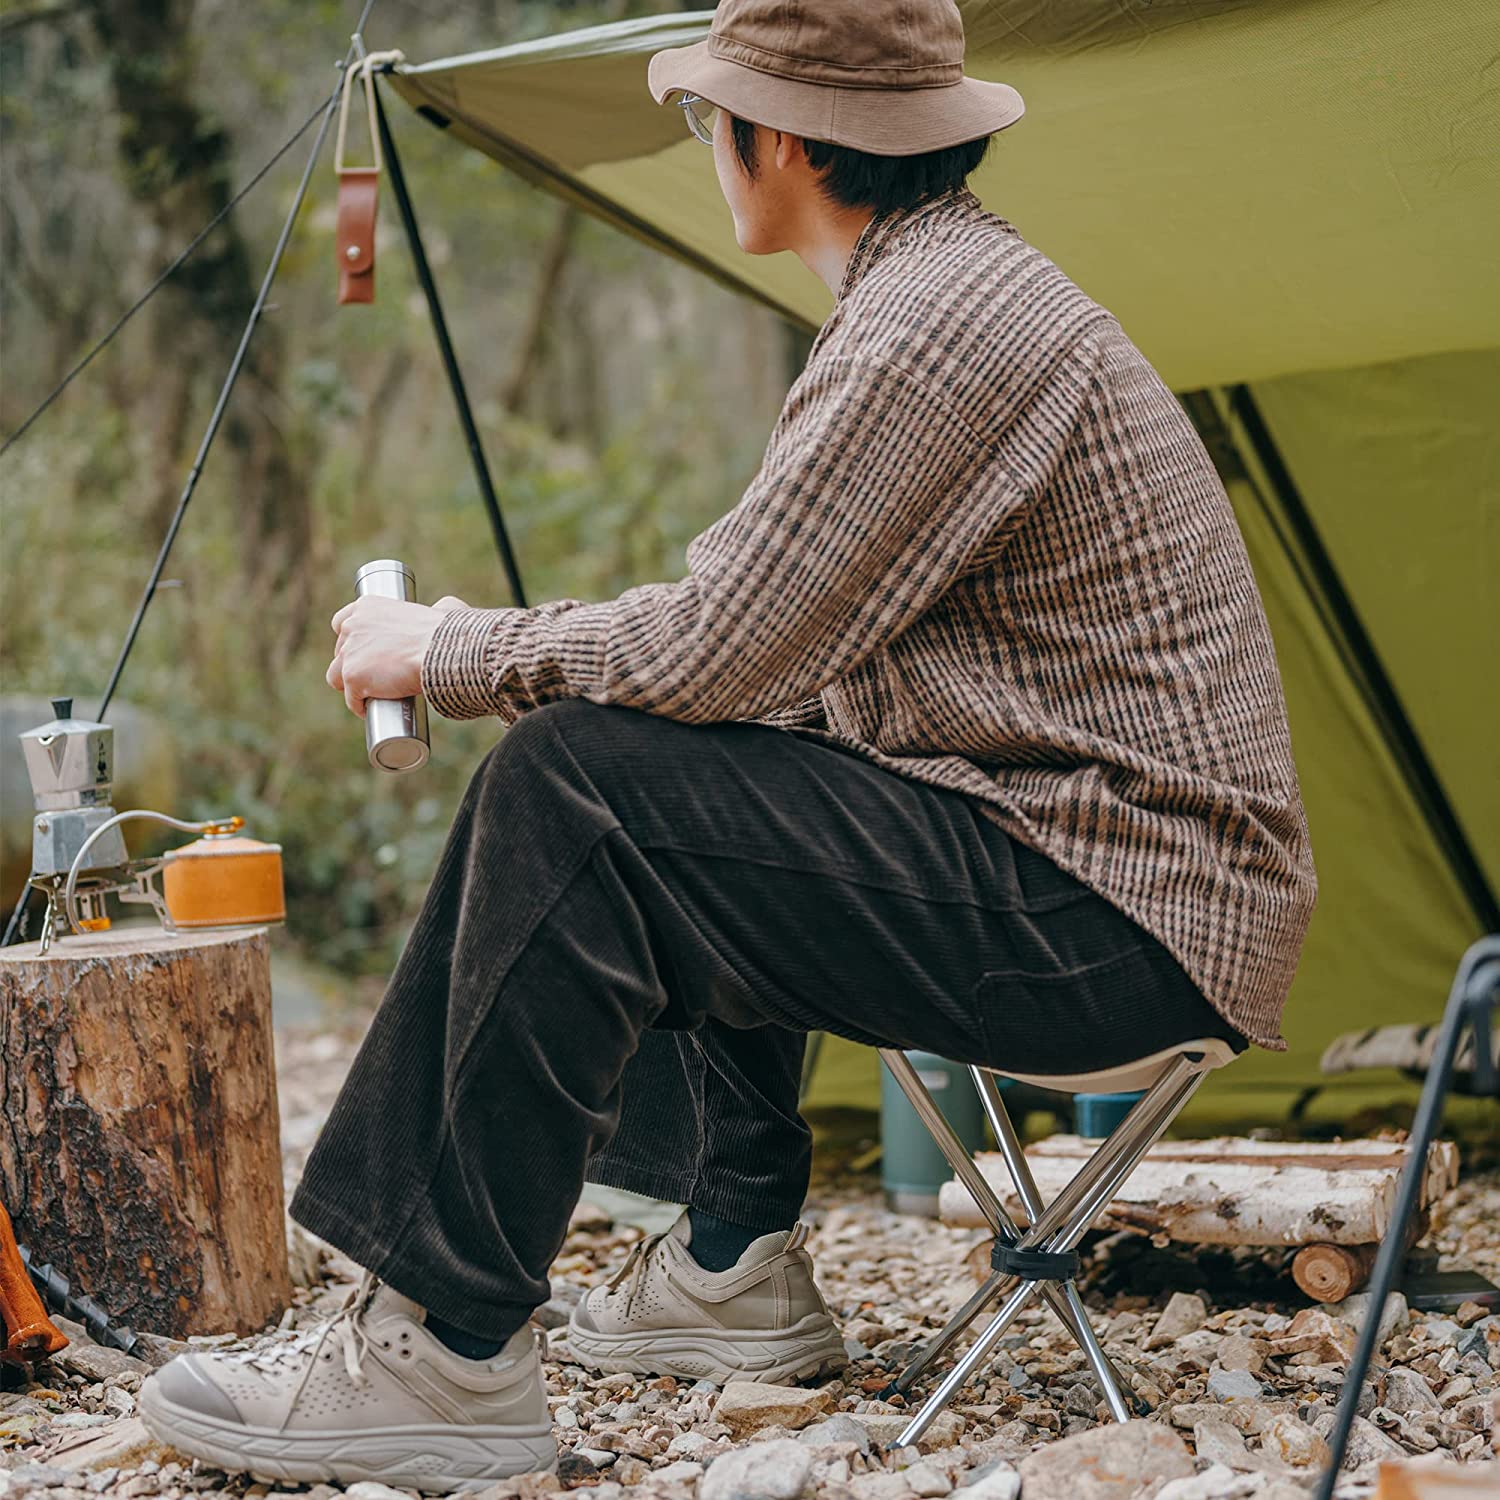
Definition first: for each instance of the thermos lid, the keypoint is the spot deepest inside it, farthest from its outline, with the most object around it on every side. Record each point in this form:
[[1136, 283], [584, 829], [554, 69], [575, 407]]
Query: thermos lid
[[383, 565]]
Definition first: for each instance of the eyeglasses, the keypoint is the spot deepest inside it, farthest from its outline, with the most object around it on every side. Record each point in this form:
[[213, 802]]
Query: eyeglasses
[[700, 117]]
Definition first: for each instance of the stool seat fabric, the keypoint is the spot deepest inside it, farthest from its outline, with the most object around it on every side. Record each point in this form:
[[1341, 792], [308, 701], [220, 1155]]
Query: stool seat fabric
[[1136, 1075]]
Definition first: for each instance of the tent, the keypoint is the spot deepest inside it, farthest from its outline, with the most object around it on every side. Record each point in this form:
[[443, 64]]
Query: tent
[[1293, 208]]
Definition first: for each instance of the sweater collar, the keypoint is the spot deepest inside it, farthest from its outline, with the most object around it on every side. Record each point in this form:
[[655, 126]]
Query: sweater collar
[[884, 230]]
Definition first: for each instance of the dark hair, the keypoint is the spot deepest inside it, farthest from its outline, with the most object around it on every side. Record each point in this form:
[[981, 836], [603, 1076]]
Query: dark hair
[[858, 179]]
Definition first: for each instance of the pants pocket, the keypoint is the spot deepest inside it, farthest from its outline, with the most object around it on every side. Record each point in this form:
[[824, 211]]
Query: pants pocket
[[1075, 1020]]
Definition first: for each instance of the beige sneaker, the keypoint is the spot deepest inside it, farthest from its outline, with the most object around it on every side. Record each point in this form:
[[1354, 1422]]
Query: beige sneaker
[[663, 1314], [370, 1394]]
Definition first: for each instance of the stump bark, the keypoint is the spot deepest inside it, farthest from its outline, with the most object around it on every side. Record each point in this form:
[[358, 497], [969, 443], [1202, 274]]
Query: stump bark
[[139, 1140]]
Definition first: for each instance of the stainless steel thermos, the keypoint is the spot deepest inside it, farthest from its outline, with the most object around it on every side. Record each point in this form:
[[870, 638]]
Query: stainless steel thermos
[[395, 728]]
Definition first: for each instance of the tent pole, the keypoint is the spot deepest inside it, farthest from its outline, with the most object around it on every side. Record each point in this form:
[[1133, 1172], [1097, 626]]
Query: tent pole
[[450, 360]]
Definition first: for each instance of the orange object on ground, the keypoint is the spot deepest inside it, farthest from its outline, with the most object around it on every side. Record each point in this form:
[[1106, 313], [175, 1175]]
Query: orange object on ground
[[29, 1332]]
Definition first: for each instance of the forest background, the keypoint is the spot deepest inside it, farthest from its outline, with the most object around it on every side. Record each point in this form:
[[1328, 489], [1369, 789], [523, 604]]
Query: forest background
[[624, 402]]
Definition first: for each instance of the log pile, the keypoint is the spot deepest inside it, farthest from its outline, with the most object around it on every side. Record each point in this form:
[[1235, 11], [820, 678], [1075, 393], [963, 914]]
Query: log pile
[[1334, 1199]]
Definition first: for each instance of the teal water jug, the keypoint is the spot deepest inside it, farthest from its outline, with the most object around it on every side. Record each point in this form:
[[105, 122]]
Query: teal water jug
[[1097, 1115], [912, 1169]]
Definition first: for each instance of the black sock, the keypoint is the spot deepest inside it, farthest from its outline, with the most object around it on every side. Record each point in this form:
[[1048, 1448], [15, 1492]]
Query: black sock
[[465, 1345], [717, 1244]]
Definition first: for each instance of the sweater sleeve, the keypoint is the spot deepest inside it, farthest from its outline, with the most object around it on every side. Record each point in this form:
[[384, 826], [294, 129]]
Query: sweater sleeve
[[873, 497]]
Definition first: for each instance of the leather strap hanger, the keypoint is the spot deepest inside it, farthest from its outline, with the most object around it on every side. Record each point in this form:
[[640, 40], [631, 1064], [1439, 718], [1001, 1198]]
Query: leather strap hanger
[[359, 190]]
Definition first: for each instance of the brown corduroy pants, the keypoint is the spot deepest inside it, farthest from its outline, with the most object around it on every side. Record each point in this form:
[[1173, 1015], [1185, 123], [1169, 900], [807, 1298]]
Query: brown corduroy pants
[[631, 929]]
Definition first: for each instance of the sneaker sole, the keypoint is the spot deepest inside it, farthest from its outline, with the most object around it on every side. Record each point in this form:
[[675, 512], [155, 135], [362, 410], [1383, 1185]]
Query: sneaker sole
[[441, 1458], [812, 1347]]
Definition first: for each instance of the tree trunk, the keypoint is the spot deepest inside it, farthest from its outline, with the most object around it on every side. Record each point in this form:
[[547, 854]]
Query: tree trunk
[[177, 165], [139, 1148]]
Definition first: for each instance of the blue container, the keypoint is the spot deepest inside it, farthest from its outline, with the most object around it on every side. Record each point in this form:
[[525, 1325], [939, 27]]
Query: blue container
[[912, 1169], [1097, 1115]]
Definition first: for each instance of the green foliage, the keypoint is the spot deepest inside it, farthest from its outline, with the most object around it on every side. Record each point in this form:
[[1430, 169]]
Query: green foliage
[[643, 411]]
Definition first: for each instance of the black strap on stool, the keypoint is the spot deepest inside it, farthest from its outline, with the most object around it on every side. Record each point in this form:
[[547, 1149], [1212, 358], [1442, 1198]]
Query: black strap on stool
[[1033, 1265]]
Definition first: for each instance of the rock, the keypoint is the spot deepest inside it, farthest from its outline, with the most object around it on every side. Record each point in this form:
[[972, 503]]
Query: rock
[[1367, 1443], [764, 1471], [1184, 1313], [690, 1445], [838, 1428], [944, 1432], [1217, 1482], [369, 1489], [1234, 1385], [748, 1405], [996, 1480], [1245, 1416], [124, 1442], [1219, 1443], [573, 1468], [1440, 1331], [1354, 1310], [558, 1308], [927, 1481], [684, 1468], [1240, 1353], [1118, 1462], [95, 1362], [1406, 1391], [1313, 1331], [1293, 1442], [880, 1486]]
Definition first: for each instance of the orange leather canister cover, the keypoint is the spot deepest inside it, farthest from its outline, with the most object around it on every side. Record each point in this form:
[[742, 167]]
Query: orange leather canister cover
[[224, 882]]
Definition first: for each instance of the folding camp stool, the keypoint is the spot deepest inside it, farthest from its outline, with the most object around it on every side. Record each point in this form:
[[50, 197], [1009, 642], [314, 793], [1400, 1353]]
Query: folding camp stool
[[1041, 1260]]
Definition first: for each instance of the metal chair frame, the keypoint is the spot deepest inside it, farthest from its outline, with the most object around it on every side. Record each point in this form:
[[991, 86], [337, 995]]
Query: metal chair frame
[[1039, 1260]]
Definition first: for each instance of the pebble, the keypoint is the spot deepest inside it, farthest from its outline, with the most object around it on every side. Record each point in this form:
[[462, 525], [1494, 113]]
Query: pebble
[[927, 1481], [1234, 1385], [1405, 1391], [748, 1405], [838, 1428], [1184, 1313], [1291, 1440], [997, 1480], [368, 1489], [1118, 1462], [763, 1471]]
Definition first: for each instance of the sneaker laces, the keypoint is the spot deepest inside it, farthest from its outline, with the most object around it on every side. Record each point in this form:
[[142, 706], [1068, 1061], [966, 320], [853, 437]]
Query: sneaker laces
[[634, 1267], [348, 1320]]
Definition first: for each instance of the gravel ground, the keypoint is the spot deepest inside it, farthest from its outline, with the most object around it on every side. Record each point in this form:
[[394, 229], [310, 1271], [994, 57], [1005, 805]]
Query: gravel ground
[[1241, 1375]]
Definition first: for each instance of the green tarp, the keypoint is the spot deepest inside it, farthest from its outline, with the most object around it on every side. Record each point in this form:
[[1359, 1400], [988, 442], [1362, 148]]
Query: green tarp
[[1299, 200]]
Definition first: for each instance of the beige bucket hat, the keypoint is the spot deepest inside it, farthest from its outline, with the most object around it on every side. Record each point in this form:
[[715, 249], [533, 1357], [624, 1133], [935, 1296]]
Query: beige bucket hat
[[883, 76]]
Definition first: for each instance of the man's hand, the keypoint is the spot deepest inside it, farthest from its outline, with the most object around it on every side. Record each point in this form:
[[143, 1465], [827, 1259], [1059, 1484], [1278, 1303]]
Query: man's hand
[[380, 647]]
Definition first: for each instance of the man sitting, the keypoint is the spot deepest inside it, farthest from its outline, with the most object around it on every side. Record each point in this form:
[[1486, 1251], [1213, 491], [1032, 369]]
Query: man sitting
[[962, 733]]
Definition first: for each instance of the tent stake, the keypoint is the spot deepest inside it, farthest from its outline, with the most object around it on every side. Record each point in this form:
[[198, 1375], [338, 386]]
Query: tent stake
[[450, 361]]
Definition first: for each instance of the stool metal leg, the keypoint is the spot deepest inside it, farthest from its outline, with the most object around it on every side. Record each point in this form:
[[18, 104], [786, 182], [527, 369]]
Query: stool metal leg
[[947, 1142], [976, 1354], [1064, 1301], [1079, 1204], [1111, 1382], [955, 1325], [1070, 1313]]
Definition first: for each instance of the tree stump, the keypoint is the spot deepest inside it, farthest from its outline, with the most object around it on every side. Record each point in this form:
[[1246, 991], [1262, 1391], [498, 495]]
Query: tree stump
[[140, 1139]]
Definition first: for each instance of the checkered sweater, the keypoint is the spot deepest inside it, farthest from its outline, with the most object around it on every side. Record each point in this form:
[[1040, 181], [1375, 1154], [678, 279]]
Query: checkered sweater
[[987, 550]]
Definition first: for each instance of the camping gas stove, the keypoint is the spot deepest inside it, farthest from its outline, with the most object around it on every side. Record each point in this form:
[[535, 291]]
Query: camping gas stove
[[78, 854]]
